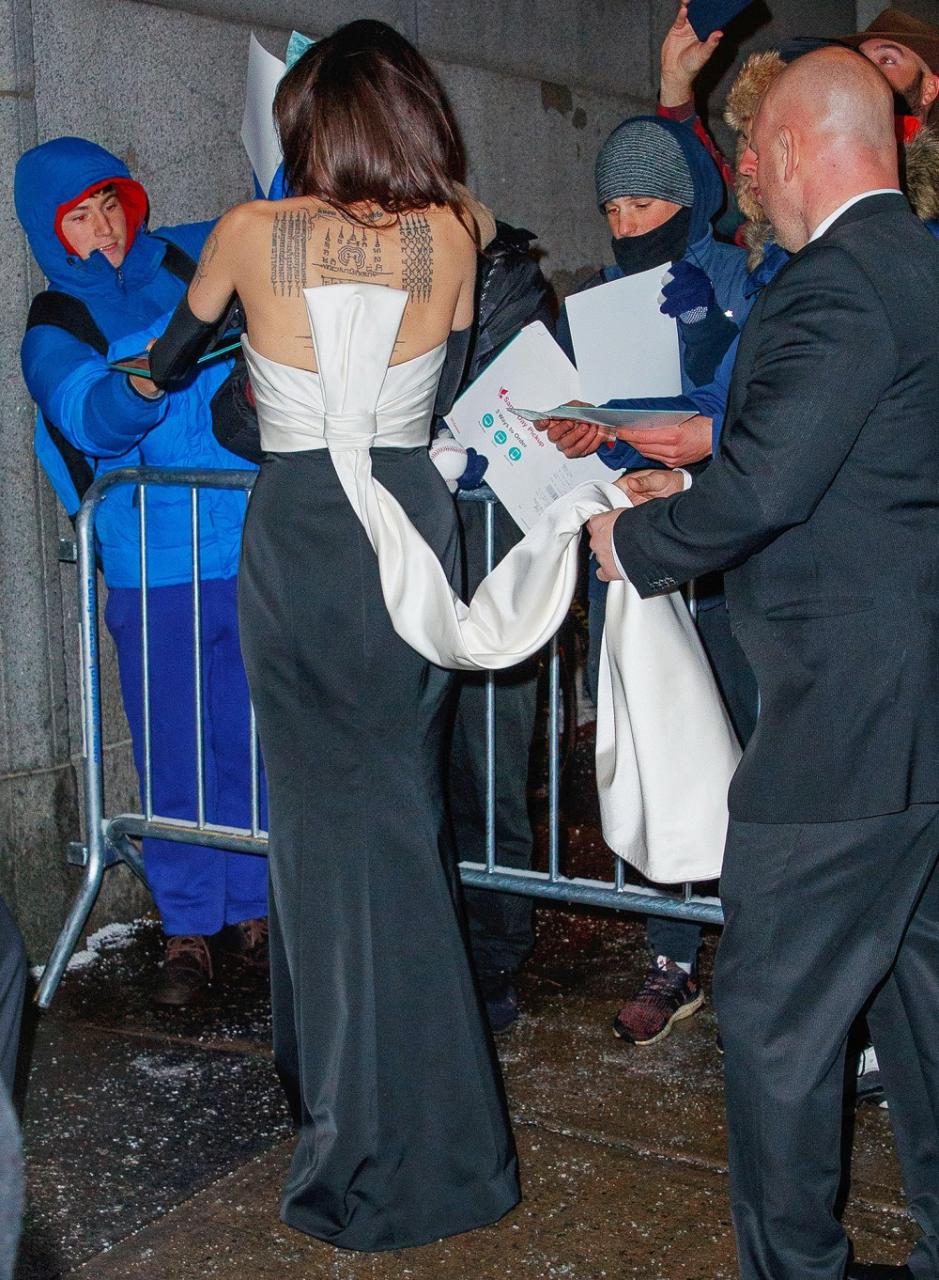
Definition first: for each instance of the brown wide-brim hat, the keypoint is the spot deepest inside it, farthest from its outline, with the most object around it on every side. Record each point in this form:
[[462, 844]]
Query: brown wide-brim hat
[[900, 28]]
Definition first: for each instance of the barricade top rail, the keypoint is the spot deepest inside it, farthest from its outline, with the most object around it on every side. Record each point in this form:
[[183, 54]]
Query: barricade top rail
[[107, 839], [187, 477]]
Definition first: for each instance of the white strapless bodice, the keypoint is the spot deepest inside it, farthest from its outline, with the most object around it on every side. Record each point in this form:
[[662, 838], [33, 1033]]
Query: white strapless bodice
[[357, 399], [665, 746]]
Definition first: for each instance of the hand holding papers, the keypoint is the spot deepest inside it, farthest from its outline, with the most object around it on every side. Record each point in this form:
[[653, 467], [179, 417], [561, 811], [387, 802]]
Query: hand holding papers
[[614, 423], [525, 470], [137, 369]]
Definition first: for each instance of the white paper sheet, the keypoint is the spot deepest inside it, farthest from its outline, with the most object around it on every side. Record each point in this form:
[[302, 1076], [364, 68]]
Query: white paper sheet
[[623, 345], [257, 125], [526, 471]]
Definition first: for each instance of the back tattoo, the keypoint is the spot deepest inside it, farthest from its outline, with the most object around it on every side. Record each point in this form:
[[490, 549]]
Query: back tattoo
[[350, 251]]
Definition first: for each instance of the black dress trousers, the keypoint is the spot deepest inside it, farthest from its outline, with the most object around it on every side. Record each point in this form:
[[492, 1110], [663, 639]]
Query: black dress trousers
[[822, 920]]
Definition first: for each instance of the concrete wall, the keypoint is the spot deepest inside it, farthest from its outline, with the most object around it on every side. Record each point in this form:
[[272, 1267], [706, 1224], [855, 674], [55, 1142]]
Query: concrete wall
[[537, 84]]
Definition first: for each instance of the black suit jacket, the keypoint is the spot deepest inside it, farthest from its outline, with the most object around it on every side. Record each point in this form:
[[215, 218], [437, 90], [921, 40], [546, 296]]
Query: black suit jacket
[[823, 506]]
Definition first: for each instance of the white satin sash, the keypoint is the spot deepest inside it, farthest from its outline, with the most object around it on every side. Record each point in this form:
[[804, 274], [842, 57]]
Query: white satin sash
[[665, 747]]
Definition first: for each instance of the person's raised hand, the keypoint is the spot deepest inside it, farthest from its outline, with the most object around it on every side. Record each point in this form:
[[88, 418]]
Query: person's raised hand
[[687, 293], [690, 441], [644, 486], [683, 55]]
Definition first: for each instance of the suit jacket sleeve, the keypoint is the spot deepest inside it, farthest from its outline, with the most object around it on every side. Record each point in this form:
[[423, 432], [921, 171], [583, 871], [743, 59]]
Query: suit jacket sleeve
[[823, 354]]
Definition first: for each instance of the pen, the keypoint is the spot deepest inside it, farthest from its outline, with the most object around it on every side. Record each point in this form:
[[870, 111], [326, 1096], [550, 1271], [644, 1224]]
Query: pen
[[209, 355]]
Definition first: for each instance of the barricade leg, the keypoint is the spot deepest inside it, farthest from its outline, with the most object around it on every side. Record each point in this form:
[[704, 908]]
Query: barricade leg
[[78, 914], [94, 854]]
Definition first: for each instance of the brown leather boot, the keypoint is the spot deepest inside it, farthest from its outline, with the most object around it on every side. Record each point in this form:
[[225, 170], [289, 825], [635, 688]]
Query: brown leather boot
[[186, 971], [251, 945]]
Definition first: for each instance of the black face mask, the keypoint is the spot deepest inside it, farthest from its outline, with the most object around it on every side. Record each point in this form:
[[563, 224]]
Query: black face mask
[[666, 243]]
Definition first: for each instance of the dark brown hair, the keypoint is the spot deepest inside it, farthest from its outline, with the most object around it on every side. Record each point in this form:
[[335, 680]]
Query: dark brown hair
[[362, 117]]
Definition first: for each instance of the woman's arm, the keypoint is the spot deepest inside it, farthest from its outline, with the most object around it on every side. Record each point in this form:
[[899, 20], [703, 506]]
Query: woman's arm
[[195, 320], [458, 343]]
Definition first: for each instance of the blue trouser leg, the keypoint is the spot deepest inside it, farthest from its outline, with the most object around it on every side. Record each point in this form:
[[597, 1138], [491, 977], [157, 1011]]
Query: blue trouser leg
[[677, 939], [196, 890]]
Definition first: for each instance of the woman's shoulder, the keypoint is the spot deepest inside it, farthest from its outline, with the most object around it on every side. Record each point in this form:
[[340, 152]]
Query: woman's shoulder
[[456, 230], [255, 215]]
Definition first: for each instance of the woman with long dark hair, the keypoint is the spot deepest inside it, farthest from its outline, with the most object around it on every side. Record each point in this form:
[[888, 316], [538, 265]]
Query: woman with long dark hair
[[378, 1035]]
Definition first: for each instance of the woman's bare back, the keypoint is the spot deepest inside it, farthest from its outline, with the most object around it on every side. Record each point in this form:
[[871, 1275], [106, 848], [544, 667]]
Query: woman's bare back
[[268, 252]]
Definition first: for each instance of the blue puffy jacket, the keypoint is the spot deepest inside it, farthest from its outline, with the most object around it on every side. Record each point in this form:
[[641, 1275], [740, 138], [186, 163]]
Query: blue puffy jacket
[[96, 410]]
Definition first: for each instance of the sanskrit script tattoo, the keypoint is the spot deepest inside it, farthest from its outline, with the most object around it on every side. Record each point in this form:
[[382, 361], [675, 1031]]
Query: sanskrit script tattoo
[[209, 250], [417, 256], [289, 238]]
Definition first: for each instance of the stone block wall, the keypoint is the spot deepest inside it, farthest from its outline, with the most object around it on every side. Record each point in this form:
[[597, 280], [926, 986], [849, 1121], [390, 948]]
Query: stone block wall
[[537, 84]]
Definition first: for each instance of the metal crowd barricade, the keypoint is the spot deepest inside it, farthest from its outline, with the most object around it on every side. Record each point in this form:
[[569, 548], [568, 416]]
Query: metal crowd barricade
[[108, 839]]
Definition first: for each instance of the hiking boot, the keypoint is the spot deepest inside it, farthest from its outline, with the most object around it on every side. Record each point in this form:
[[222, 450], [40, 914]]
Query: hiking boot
[[186, 971], [667, 995], [251, 943], [501, 1000]]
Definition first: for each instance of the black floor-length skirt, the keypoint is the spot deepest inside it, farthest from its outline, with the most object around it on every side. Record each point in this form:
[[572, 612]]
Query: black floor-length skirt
[[379, 1037]]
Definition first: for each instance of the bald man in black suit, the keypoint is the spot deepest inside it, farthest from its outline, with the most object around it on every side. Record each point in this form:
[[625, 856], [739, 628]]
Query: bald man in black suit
[[822, 508]]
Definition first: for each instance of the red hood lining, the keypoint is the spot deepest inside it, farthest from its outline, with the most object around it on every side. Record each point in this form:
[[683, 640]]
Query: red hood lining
[[133, 200]]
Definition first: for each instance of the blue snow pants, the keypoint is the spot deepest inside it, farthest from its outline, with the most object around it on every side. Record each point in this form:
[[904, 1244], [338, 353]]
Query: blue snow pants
[[196, 890]]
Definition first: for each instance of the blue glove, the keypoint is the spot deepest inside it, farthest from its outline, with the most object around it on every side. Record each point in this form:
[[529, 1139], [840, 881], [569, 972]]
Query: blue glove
[[688, 294], [476, 464]]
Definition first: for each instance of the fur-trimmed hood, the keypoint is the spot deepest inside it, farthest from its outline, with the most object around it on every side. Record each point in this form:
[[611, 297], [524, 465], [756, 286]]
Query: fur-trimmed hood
[[920, 167], [753, 79], [921, 173]]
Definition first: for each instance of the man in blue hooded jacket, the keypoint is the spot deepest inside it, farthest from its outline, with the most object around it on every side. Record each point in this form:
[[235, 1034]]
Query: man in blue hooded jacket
[[111, 279]]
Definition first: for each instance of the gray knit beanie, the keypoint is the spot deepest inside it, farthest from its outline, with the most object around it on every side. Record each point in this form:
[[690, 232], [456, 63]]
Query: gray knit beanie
[[641, 158]]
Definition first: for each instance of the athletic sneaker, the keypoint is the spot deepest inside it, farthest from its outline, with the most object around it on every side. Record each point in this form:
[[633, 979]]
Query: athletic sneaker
[[667, 995], [869, 1089]]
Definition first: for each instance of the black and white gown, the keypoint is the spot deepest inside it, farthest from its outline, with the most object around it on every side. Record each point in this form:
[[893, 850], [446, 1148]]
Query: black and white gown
[[348, 619], [379, 1038]]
